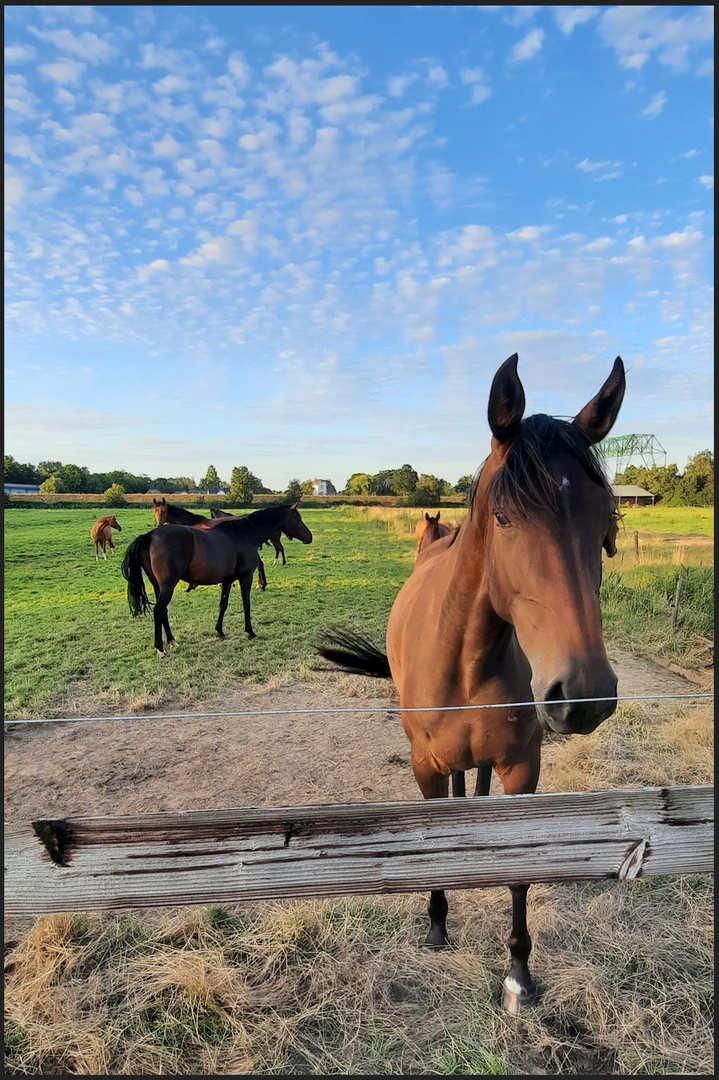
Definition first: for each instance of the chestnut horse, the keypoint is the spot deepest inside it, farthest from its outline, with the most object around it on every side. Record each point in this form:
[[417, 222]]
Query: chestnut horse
[[226, 553], [168, 514], [429, 530], [506, 610], [101, 534], [275, 539]]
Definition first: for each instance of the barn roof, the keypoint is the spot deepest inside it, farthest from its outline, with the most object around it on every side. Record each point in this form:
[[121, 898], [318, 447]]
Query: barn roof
[[630, 489]]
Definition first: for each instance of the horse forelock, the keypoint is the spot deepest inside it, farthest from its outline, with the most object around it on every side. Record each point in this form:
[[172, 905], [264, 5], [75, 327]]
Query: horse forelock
[[524, 483]]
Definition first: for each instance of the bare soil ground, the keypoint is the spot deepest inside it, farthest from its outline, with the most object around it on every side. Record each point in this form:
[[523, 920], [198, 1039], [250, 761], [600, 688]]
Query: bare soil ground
[[151, 765]]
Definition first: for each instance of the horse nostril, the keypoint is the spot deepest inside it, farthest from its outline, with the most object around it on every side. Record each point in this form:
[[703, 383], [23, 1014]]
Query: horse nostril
[[555, 692]]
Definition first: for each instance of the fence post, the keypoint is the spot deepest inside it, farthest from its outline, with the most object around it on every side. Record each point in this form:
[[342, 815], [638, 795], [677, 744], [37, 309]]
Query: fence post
[[677, 598], [636, 543]]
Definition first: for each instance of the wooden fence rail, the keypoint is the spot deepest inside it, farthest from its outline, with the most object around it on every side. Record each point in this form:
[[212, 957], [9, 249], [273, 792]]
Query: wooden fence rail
[[223, 856]]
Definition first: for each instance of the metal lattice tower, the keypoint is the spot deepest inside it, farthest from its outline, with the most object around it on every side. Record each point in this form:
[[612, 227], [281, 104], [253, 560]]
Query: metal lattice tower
[[622, 448]]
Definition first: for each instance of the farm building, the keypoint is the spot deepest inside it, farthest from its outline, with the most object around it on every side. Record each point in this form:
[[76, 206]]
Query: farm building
[[22, 489], [323, 487], [632, 495]]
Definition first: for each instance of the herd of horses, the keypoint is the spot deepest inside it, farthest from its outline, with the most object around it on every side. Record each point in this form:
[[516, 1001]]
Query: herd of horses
[[501, 611]]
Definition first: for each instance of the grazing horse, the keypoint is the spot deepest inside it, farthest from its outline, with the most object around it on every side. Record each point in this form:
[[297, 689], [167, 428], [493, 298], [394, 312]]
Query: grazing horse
[[275, 539], [101, 534], [429, 530], [506, 610], [168, 514], [226, 553]]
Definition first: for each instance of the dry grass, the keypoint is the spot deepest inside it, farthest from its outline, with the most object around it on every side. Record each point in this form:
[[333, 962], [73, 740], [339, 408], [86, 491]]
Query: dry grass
[[341, 987]]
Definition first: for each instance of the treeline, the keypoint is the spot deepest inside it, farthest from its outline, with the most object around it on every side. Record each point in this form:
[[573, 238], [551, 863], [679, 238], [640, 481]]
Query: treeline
[[693, 487]]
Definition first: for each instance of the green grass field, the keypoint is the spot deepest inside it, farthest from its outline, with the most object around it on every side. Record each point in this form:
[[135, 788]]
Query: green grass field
[[70, 638]]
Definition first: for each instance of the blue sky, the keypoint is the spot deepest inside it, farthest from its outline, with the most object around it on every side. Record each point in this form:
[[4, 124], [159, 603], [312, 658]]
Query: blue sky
[[304, 238]]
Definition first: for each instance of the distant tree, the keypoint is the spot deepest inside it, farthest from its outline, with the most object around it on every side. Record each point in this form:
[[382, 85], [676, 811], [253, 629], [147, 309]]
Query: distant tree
[[445, 488], [404, 480], [115, 496], [464, 484], [358, 484], [428, 489], [211, 480], [701, 466], [243, 486], [381, 482], [306, 487], [73, 477], [47, 468], [294, 490], [15, 473], [52, 485]]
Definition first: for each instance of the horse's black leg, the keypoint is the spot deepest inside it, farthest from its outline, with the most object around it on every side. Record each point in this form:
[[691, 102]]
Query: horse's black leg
[[484, 779], [246, 590], [224, 601], [433, 785], [262, 576], [280, 551], [164, 596], [519, 989], [458, 786]]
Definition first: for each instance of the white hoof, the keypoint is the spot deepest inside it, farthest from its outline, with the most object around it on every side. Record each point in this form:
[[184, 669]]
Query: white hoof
[[160, 654], [514, 998], [174, 645]]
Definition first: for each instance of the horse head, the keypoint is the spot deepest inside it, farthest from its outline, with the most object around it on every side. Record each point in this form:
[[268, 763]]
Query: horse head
[[546, 511], [161, 510], [432, 531], [114, 523], [294, 527]]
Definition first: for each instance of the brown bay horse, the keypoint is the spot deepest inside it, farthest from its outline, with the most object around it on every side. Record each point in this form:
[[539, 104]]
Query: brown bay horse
[[226, 553], [429, 529], [506, 610], [101, 534], [168, 514]]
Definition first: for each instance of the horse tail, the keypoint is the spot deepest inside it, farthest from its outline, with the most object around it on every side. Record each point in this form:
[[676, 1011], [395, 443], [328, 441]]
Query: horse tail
[[132, 572], [353, 653]]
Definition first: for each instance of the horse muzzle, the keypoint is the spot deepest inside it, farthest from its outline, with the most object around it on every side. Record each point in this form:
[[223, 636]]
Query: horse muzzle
[[572, 707]]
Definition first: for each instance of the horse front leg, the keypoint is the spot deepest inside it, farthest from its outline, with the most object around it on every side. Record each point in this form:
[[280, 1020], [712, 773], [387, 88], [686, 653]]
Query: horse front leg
[[224, 601], [434, 785], [246, 590], [519, 989], [262, 576]]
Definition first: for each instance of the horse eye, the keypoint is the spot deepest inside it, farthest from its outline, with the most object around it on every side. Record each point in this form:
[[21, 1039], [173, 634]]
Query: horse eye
[[502, 521]]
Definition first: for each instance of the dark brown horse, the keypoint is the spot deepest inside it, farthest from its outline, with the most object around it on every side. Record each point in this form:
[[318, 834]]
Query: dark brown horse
[[101, 534], [275, 539], [168, 514], [227, 553], [506, 610], [429, 530]]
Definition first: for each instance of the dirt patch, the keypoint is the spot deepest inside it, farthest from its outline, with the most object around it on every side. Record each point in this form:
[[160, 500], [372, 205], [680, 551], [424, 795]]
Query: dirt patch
[[149, 764]]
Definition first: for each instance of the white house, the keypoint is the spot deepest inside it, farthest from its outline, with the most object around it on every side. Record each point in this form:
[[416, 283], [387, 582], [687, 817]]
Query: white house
[[323, 487]]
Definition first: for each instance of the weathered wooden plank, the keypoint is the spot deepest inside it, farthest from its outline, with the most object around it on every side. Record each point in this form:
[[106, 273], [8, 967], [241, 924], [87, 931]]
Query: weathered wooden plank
[[222, 856]]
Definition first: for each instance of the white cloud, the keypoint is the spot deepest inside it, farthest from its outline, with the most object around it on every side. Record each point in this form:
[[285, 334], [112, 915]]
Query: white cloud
[[706, 68], [528, 47], [591, 166], [478, 79], [707, 181], [17, 54], [171, 84], [529, 234], [636, 32], [656, 105], [569, 17], [64, 71], [397, 84], [87, 46], [166, 147], [438, 77]]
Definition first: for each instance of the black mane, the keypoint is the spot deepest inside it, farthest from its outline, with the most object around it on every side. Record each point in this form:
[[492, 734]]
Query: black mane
[[524, 481]]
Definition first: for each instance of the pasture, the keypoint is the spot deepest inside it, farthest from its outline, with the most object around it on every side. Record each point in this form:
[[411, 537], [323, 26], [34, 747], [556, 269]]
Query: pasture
[[335, 987], [71, 643]]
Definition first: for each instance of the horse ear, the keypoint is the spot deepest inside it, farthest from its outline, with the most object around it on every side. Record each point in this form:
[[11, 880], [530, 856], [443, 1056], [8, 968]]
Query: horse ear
[[154, 501], [426, 515], [598, 415], [506, 402], [164, 501], [293, 506], [439, 512]]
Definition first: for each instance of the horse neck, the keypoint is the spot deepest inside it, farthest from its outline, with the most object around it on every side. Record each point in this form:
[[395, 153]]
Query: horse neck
[[263, 523]]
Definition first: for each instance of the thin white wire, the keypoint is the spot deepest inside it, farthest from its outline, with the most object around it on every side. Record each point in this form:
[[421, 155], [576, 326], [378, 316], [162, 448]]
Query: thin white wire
[[357, 711]]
